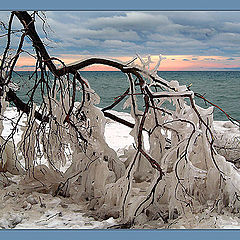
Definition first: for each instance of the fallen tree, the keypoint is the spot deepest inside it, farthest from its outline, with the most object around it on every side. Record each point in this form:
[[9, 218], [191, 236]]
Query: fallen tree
[[182, 171]]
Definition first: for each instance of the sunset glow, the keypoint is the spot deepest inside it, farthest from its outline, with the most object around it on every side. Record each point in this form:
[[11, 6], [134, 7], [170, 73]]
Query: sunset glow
[[170, 63]]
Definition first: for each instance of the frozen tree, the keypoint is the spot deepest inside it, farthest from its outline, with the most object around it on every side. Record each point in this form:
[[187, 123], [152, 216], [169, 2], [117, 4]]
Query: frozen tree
[[182, 171]]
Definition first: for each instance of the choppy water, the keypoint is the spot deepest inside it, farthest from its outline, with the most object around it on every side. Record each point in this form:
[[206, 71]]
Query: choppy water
[[220, 87]]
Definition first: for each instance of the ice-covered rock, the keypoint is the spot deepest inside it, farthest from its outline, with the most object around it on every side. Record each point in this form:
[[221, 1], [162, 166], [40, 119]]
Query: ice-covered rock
[[10, 220]]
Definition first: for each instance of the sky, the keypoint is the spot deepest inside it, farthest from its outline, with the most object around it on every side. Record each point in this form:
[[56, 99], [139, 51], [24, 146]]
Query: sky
[[189, 40]]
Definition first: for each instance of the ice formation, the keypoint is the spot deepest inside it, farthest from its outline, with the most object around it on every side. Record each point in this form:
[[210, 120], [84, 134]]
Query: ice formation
[[175, 166]]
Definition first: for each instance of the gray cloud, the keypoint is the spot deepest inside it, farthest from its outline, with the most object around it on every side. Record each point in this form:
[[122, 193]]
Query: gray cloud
[[231, 27], [198, 34], [124, 33], [210, 59], [139, 21]]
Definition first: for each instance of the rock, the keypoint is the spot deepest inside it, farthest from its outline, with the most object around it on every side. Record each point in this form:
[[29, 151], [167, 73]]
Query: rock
[[4, 224], [140, 177], [92, 204], [229, 125], [63, 205], [11, 194], [15, 219], [141, 219], [5, 182], [105, 212], [56, 201], [43, 205], [10, 220], [26, 205], [32, 200]]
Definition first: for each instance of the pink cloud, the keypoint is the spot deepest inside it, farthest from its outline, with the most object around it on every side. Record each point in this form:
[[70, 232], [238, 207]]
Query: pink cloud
[[171, 63]]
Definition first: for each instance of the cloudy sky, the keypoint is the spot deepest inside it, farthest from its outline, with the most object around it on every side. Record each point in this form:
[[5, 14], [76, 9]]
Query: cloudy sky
[[189, 40]]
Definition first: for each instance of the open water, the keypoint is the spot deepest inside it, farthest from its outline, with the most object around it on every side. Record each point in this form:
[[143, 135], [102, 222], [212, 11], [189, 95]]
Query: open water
[[220, 87]]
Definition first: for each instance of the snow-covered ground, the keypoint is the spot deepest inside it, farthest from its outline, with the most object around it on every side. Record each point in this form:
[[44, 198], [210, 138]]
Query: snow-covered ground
[[38, 210], [43, 211]]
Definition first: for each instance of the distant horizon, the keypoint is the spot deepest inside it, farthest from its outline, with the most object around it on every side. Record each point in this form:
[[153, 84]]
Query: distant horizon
[[169, 62]]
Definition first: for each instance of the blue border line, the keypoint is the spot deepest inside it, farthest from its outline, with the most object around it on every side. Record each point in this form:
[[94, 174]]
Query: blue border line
[[119, 5], [119, 234]]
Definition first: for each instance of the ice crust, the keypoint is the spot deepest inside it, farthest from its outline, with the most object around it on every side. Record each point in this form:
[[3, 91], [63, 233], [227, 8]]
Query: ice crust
[[55, 214]]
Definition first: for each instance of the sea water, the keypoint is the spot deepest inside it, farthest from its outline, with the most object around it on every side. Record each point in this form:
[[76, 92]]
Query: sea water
[[220, 87]]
